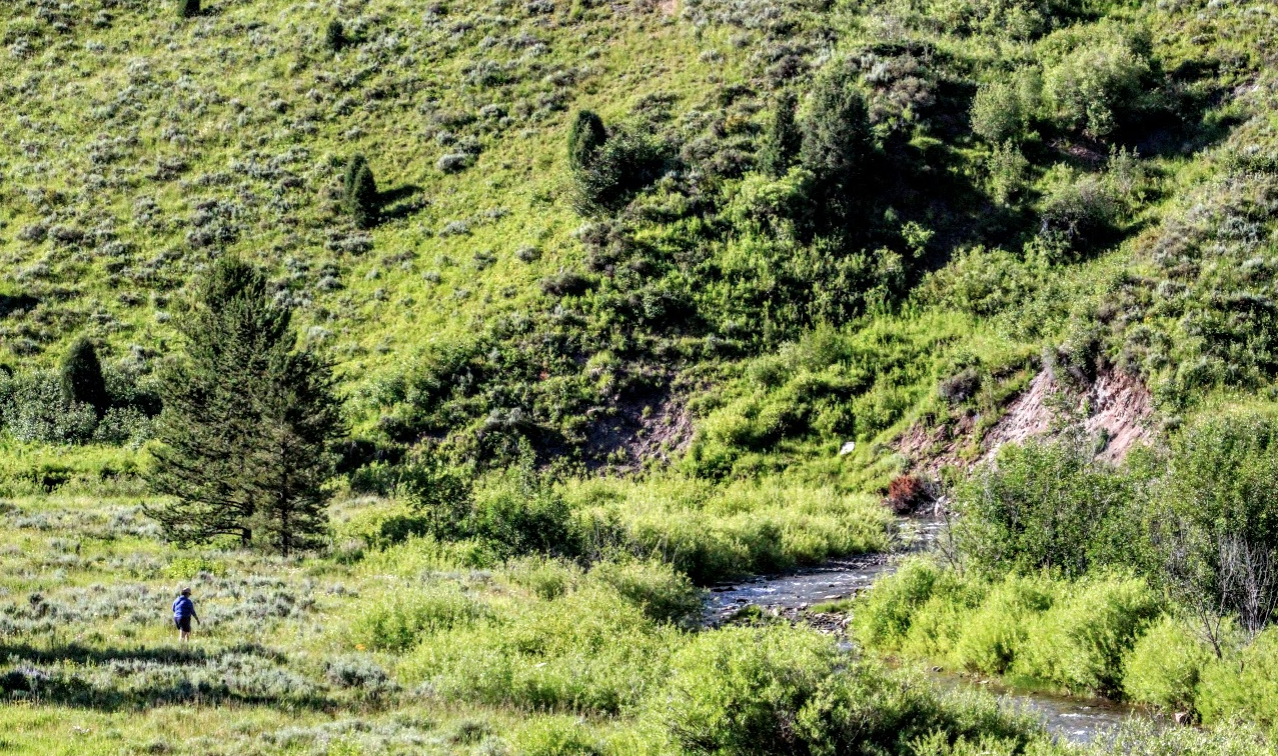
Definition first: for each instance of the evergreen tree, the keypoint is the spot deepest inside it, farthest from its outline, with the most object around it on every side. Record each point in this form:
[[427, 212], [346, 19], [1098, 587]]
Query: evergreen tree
[[246, 423], [361, 195], [836, 142], [585, 137], [82, 379], [783, 141], [335, 35], [188, 8]]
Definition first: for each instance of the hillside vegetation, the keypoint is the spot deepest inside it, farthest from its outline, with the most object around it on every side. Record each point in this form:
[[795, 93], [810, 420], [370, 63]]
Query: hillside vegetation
[[622, 300]]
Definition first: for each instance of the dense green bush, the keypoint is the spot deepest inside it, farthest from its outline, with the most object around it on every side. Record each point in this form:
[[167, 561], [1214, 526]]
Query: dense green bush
[[1051, 506], [628, 161], [1004, 108], [783, 140], [752, 691], [360, 194], [1082, 639], [837, 145], [82, 379], [1096, 76], [1218, 531], [335, 35], [1165, 665], [396, 622], [585, 136], [1075, 634], [1243, 685]]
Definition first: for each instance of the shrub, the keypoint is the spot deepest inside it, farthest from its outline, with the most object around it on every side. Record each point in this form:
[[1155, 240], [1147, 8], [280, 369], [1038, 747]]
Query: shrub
[[396, 622], [1002, 108], [454, 162], [357, 671], [1095, 75], [557, 736], [335, 35], [758, 691], [587, 651], [882, 618], [1008, 173], [627, 162], [1078, 212], [907, 493], [1082, 640], [1164, 666], [836, 143], [993, 635], [783, 140], [657, 588], [1050, 505], [1243, 685], [82, 379], [361, 196], [1218, 530], [585, 136]]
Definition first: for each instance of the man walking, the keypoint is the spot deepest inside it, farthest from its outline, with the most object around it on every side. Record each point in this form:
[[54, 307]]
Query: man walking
[[183, 613]]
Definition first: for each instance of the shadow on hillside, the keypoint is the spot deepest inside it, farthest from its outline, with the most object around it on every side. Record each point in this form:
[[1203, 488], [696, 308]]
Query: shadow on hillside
[[400, 202]]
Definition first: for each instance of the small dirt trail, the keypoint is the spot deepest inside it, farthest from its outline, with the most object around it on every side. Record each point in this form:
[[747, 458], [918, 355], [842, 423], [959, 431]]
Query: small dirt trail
[[789, 595]]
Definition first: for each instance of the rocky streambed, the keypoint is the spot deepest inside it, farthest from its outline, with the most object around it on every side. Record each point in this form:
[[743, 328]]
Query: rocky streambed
[[792, 595]]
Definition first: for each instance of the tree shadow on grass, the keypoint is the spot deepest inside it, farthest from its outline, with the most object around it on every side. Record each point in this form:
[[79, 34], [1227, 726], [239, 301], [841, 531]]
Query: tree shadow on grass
[[400, 202]]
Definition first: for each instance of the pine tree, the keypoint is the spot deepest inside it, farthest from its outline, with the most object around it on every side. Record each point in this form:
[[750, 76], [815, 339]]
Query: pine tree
[[783, 140], [188, 8], [837, 142], [361, 195], [335, 35], [246, 424], [585, 138], [82, 379]]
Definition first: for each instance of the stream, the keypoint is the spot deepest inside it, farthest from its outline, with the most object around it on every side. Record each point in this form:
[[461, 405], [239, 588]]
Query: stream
[[1078, 720]]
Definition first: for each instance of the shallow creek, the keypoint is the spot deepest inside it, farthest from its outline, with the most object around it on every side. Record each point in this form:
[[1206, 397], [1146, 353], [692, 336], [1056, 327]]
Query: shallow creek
[[1078, 720]]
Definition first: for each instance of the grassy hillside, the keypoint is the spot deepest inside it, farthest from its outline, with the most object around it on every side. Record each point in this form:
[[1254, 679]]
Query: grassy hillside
[[807, 224]]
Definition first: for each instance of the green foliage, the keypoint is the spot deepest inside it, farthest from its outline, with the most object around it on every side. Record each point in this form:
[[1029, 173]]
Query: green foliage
[[360, 196], [1095, 76], [585, 136], [396, 622], [247, 425], [1081, 641], [1003, 108], [1165, 665], [784, 139], [744, 691], [1243, 685], [335, 37], [1219, 530], [82, 379], [1051, 506], [711, 533], [1078, 635], [628, 161], [587, 650], [837, 145]]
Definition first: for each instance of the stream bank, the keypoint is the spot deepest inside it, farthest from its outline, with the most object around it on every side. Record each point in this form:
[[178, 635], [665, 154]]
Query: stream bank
[[791, 595]]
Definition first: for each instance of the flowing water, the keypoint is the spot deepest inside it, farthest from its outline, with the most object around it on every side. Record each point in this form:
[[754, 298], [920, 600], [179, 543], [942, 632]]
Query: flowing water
[[1078, 720]]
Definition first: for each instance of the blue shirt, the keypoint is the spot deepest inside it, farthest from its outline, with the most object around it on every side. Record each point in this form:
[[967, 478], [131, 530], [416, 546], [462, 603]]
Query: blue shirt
[[183, 608]]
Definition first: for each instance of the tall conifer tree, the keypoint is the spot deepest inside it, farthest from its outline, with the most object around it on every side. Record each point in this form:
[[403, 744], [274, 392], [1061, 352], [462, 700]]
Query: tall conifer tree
[[247, 422]]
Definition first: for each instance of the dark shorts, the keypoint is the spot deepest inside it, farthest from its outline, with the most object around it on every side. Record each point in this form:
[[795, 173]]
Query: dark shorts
[[183, 624]]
